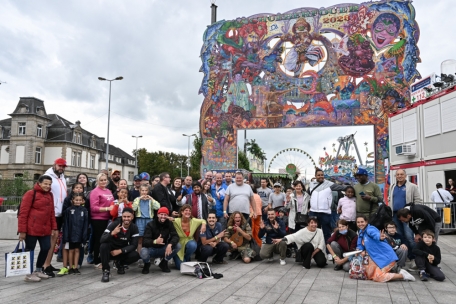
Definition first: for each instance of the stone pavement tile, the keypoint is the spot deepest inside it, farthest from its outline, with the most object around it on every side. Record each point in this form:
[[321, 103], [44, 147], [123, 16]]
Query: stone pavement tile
[[445, 297], [300, 290], [294, 299], [380, 291], [348, 294], [401, 297], [270, 298], [107, 299], [194, 297], [366, 299], [322, 297], [252, 290], [240, 299], [426, 299]]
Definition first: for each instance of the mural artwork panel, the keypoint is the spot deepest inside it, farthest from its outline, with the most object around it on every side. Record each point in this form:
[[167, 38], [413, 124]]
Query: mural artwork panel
[[345, 65]]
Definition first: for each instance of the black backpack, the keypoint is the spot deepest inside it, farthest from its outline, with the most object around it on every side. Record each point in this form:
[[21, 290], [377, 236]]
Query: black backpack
[[383, 215], [19, 206]]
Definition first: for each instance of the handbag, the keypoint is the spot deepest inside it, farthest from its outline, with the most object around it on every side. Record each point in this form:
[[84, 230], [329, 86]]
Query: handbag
[[18, 263], [300, 219], [199, 269], [357, 269], [298, 257]]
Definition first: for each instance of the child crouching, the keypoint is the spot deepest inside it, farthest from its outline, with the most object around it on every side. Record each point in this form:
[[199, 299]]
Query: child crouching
[[428, 257]]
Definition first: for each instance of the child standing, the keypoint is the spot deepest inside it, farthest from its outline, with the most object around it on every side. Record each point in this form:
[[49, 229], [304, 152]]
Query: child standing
[[144, 207], [428, 257], [119, 204], [76, 221], [347, 208]]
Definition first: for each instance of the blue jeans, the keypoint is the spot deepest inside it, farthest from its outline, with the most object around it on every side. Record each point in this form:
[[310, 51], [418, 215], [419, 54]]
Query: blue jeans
[[324, 222], [147, 253], [334, 218], [407, 233], [190, 248]]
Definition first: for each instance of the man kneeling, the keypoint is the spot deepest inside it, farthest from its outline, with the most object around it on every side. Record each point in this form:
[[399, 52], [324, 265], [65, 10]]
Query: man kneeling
[[274, 228], [211, 241], [119, 243], [160, 240]]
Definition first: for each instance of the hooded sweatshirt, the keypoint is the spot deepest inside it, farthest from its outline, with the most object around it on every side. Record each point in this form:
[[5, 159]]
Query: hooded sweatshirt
[[58, 189]]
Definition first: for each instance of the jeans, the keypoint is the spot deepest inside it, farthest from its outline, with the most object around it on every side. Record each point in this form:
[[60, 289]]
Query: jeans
[[219, 250], [152, 252], [45, 245], [423, 264], [324, 222], [404, 230], [190, 248], [334, 218], [402, 256], [123, 258]]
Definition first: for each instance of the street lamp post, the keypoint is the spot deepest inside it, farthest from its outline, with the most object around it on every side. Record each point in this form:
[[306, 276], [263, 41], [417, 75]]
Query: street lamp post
[[188, 152], [136, 151], [109, 114]]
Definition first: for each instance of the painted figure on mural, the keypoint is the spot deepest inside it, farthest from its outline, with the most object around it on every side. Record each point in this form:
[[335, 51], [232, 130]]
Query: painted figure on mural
[[359, 61], [272, 105], [303, 51], [385, 29], [238, 95]]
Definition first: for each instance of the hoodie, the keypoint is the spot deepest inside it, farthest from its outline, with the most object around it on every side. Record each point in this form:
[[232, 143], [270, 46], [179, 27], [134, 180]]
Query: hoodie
[[58, 189]]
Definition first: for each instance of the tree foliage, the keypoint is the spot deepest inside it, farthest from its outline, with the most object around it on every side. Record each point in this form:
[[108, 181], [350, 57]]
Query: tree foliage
[[243, 161], [255, 150]]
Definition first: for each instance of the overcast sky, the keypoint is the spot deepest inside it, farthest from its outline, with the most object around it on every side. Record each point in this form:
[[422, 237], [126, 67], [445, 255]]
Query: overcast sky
[[55, 50]]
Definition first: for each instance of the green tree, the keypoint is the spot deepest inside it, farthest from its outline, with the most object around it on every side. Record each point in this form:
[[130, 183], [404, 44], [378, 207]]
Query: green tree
[[195, 158], [157, 162], [255, 150], [243, 162]]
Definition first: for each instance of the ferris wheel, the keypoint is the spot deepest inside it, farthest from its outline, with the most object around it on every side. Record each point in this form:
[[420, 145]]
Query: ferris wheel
[[292, 161]]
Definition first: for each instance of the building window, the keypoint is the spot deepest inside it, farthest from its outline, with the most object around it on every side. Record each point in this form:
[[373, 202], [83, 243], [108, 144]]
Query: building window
[[131, 162], [93, 143], [76, 159], [18, 175], [39, 130], [130, 176], [77, 137], [118, 160], [22, 128], [38, 155], [92, 161], [73, 159], [111, 157]]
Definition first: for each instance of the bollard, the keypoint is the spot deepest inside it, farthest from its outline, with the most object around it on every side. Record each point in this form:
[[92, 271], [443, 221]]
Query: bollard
[[447, 215]]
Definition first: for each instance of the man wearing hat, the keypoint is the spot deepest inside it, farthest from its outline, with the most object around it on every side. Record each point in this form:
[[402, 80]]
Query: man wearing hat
[[198, 201], [134, 191], [277, 198], [59, 193], [115, 178], [160, 241], [368, 194]]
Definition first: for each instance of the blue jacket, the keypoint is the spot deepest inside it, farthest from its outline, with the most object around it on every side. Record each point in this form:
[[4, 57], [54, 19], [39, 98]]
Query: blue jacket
[[380, 251], [218, 202], [75, 224], [272, 233]]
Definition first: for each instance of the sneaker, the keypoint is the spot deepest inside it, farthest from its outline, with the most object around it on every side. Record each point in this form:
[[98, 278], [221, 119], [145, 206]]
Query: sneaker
[[52, 268], [76, 271], [90, 258], [338, 267], [98, 266], [105, 277], [222, 262], [282, 262], [120, 268], [71, 271], [330, 258], [32, 278], [63, 271], [164, 266], [412, 266], [40, 275], [270, 259], [146, 268], [407, 276], [157, 261], [140, 263], [424, 276], [48, 272]]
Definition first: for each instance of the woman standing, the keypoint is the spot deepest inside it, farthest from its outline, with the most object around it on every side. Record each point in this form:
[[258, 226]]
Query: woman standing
[[84, 180], [207, 191], [381, 256], [299, 201], [36, 223], [452, 189], [176, 189], [100, 207], [186, 226]]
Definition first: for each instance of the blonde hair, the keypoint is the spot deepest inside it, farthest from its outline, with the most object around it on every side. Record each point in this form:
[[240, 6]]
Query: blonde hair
[[100, 175]]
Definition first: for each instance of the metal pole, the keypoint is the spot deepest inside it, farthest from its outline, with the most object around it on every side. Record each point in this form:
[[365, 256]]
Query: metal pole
[[136, 155], [214, 13], [109, 118], [181, 169], [188, 157], [245, 142]]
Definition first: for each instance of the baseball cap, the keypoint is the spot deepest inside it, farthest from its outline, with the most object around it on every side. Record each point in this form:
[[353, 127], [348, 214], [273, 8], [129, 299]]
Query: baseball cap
[[60, 162], [361, 171], [277, 185], [137, 177], [145, 176], [114, 171]]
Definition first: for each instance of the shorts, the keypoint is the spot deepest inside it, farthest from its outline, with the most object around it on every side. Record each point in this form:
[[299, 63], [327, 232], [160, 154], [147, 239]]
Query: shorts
[[74, 245], [141, 222], [59, 221]]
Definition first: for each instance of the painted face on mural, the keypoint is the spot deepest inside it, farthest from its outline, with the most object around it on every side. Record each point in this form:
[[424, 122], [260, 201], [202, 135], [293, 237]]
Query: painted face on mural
[[385, 29]]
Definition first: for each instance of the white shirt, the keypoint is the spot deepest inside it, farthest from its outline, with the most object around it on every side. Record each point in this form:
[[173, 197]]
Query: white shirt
[[446, 195]]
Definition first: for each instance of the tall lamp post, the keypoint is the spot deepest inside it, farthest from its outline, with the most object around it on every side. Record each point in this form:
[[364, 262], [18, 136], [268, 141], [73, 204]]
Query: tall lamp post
[[109, 115], [136, 151], [188, 153]]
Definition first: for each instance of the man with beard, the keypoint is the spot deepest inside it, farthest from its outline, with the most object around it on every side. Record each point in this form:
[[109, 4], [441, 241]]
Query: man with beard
[[187, 188], [134, 191], [119, 243], [238, 197], [273, 228], [368, 194], [160, 241], [59, 193], [115, 178], [198, 201], [211, 241], [163, 194], [228, 179], [218, 192]]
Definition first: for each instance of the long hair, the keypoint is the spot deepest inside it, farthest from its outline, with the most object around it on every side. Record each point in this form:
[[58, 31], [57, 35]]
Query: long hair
[[184, 207], [231, 219], [87, 179]]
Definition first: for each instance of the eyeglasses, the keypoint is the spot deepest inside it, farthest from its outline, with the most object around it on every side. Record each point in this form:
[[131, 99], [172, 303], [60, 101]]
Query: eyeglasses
[[391, 227]]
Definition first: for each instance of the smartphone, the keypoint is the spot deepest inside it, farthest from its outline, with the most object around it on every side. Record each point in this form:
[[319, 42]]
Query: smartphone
[[362, 193]]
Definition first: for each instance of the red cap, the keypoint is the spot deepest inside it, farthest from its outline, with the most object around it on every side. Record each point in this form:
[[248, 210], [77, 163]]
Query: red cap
[[163, 210], [60, 162]]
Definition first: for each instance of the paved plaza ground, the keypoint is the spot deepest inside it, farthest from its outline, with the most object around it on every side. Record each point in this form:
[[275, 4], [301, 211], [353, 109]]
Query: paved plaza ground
[[258, 282]]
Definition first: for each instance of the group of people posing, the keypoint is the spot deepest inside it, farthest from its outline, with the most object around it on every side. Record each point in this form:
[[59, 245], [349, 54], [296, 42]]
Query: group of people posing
[[166, 221]]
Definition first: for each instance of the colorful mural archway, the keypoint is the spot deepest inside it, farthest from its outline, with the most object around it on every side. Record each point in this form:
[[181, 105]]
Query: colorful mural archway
[[345, 65]]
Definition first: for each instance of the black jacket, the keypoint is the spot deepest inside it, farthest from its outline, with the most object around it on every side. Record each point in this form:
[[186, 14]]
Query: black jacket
[[155, 228], [272, 233], [204, 204], [423, 218], [424, 250], [165, 197], [127, 241], [75, 223]]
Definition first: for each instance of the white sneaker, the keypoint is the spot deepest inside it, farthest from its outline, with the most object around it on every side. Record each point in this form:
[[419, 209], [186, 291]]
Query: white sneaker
[[407, 276], [32, 278], [330, 257], [282, 262], [40, 275], [157, 261]]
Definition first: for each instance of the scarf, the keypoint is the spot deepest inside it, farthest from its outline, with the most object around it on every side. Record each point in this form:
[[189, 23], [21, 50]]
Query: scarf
[[194, 205]]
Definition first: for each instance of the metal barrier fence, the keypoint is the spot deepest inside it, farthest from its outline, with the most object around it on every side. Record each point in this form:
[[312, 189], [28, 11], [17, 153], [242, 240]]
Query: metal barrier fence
[[447, 212], [9, 202]]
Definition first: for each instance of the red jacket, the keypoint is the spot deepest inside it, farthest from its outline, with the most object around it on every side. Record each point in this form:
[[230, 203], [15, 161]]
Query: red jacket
[[37, 218]]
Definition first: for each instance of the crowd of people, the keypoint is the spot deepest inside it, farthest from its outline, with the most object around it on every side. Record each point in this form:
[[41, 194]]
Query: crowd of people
[[163, 221]]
